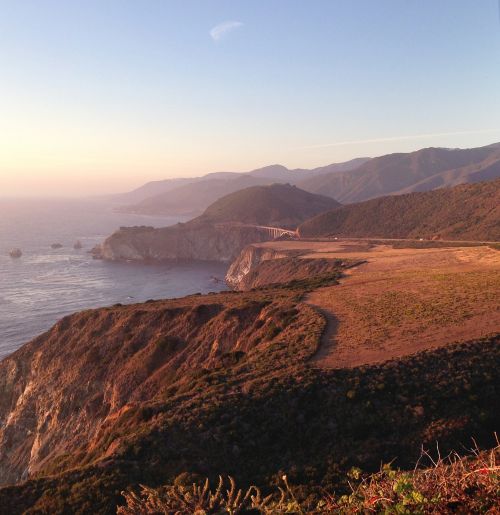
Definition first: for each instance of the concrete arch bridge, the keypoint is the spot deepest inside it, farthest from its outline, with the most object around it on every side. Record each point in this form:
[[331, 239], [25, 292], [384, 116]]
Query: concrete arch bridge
[[273, 232]]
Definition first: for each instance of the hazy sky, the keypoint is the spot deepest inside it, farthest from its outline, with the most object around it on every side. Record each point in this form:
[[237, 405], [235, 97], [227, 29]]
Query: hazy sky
[[103, 95]]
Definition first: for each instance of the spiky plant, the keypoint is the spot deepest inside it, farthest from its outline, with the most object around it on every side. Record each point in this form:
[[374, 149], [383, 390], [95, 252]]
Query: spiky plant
[[199, 500]]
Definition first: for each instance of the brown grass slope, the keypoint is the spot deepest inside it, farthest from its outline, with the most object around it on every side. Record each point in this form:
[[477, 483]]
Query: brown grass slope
[[422, 170], [465, 212], [254, 421], [280, 205], [62, 389]]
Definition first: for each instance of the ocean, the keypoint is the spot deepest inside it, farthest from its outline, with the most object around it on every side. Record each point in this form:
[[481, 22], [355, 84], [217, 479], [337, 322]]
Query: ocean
[[46, 284]]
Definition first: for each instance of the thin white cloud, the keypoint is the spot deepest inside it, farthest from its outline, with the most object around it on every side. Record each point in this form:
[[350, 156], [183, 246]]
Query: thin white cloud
[[400, 138], [223, 29]]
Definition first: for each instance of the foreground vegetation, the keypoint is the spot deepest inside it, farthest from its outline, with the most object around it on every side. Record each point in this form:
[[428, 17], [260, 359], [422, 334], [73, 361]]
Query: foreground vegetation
[[453, 484]]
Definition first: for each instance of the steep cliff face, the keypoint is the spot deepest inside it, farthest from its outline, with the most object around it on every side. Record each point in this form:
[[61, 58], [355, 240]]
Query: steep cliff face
[[64, 391], [247, 261], [191, 241], [259, 266]]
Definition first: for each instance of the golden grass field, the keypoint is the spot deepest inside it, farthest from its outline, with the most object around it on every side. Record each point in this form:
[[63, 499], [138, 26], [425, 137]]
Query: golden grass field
[[401, 301]]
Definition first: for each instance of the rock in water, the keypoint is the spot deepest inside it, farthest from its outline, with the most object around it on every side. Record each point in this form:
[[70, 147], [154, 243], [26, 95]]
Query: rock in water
[[15, 253], [78, 245], [56, 246]]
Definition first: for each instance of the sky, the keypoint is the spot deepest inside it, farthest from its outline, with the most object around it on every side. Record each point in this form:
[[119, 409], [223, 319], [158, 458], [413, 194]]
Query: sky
[[100, 96]]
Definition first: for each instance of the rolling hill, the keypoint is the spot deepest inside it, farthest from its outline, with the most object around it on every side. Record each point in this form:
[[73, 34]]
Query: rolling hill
[[423, 170], [280, 205], [465, 212]]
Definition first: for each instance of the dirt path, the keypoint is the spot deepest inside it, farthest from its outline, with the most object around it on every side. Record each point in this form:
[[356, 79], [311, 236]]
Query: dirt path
[[406, 300]]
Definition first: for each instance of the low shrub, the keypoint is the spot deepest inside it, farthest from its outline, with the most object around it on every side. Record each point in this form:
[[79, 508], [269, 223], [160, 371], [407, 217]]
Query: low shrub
[[450, 485]]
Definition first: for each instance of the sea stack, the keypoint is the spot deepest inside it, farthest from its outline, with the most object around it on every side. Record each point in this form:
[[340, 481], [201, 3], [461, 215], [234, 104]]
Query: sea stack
[[15, 253], [78, 245]]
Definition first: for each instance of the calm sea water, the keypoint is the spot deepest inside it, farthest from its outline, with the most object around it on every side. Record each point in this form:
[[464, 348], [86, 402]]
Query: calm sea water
[[46, 284]]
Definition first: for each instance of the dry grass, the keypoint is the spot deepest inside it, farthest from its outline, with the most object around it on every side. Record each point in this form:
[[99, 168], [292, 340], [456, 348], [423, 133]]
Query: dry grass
[[406, 301], [450, 485], [201, 500]]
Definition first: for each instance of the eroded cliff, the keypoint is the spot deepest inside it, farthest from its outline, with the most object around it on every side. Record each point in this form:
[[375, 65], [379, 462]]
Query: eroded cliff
[[59, 392], [248, 260], [262, 265], [221, 384]]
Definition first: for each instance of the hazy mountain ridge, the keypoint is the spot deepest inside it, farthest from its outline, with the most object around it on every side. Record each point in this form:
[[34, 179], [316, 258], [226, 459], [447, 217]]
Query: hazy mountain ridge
[[191, 196], [422, 170], [464, 212], [353, 181]]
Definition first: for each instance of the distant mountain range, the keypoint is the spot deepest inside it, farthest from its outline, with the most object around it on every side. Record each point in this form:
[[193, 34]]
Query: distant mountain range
[[464, 212], [191, 196], [353, 181], [395, 174]]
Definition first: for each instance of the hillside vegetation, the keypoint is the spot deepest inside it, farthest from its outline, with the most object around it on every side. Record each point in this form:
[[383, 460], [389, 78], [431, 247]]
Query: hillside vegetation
[[465, 212], [280, 205], [447, 485], [423, 170]]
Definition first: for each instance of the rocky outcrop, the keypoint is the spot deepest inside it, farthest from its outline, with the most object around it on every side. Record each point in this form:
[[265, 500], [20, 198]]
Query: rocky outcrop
[[248, 261], [190, 241], [262, 265]]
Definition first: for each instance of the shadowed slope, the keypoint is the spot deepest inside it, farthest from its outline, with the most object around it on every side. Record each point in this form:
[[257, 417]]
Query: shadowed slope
[[466, 212]]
